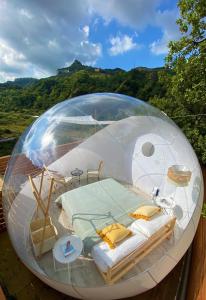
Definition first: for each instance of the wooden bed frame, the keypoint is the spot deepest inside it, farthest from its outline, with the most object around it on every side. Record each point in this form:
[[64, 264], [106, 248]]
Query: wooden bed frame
[[122, 267]]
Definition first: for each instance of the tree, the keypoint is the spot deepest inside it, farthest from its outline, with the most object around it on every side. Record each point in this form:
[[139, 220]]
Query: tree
[[185, 99]]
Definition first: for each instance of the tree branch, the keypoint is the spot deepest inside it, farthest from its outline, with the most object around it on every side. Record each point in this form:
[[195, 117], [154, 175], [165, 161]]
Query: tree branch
[[196, 43]]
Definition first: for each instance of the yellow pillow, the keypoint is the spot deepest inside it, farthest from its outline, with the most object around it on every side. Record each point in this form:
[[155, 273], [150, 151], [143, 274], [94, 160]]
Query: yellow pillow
[[145, 212], [113, 234]]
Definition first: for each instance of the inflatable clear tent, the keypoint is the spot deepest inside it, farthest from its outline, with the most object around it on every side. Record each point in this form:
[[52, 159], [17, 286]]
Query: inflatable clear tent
[[137, 145]]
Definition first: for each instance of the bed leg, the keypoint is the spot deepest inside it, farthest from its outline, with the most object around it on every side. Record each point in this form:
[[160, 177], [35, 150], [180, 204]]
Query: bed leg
[[169, 236], [109, 276]]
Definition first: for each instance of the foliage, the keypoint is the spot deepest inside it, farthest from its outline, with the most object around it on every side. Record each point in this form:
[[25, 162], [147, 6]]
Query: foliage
[[77, 80], [185, 99], [19, 82], [6, 148], [11, 127], [13, 124], [24, 98], [204, 210]]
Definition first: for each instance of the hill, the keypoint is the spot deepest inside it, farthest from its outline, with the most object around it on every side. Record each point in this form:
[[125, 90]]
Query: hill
[[78, 79], [19, 82]]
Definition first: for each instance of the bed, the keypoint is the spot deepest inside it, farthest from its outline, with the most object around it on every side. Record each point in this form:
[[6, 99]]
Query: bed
[[95, 205], [113, 264]]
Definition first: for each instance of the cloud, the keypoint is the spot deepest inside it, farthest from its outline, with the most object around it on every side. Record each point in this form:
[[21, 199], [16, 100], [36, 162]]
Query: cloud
[[37, 37], [14, 64], [166, 20], [121, 44], [25, 13], [134, 13], [86, 30], [140, 14]]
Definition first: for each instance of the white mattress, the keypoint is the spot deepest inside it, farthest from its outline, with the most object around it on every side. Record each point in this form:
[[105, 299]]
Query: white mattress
[[106, 258]]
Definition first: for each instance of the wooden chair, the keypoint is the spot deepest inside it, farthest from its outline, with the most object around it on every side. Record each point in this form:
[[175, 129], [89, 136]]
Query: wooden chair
[[95, 173], [42, 231], [58, 178]]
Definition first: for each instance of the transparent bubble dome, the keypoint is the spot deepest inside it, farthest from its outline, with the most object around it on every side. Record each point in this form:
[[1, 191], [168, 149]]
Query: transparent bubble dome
[[107, 155]]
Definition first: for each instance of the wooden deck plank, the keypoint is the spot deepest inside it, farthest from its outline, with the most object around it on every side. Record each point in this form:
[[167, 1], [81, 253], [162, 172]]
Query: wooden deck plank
[[2, 296], [197, 277]]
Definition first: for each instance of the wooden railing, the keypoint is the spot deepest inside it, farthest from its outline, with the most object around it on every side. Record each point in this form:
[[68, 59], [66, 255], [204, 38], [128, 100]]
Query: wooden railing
[[3, 165]]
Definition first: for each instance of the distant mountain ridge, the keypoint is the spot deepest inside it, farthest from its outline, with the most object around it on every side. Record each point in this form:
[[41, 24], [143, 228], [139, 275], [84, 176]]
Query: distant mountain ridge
[[20, 82], [78, 79], [74, 67], [78, 66]]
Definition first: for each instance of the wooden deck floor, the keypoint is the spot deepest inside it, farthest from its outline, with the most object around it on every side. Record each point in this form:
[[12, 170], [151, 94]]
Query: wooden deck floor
[[196, 289], [23, 285]]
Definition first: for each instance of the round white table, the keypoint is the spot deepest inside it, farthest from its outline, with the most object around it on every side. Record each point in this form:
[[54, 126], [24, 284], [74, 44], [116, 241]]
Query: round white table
[[166, 203], [58, 254]]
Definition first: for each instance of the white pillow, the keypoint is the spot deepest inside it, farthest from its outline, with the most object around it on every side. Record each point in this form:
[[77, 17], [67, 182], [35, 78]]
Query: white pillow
[[148, 228]]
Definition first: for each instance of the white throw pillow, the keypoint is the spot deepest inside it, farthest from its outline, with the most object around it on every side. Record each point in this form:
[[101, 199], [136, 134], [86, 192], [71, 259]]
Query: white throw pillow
[[148, 228]]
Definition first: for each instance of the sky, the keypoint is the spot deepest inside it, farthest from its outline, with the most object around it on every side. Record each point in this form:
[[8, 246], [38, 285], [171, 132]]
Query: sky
[[39, 36]]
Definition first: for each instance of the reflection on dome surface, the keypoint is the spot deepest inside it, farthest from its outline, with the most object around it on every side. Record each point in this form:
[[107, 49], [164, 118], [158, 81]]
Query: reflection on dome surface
[[93, 161]]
